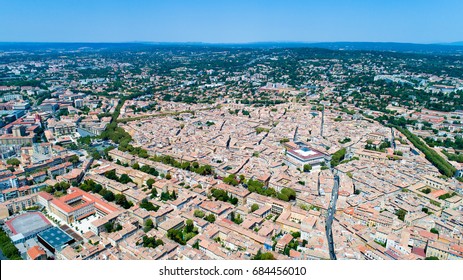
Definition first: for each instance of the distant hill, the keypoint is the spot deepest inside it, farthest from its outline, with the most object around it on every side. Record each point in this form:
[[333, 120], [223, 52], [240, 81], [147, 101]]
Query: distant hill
[[371, 46], [393, 47], [460, 43], [451, 48]]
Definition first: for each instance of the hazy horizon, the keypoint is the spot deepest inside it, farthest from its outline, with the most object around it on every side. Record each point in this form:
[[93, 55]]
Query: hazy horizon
[[229, 43]]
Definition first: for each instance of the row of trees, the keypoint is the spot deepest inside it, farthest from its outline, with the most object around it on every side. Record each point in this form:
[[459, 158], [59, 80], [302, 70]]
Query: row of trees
[[193, 167], [119, 198], [447, 142], [286, 194], [58, 188], [91, 186], [7, 247], [145, 168], [453, 157], [337, 157], [223, 196], [123, 179], [440, 163]]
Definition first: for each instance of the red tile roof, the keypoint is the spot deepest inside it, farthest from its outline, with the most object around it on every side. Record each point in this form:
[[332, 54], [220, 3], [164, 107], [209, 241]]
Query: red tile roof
[[35, 252]]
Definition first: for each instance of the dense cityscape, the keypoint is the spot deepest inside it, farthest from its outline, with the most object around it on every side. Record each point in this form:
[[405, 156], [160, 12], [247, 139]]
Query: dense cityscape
[[242, 152]]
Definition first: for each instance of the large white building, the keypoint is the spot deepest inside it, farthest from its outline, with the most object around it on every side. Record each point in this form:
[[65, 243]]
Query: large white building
[[302, 154]]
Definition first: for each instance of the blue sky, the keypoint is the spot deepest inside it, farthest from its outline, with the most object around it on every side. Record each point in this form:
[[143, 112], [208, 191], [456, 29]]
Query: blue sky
[[226, 21]]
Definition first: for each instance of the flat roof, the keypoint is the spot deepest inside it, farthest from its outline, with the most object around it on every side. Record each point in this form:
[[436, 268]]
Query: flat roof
[[55, 237], [305, 153], [28, 223], [71, 233]]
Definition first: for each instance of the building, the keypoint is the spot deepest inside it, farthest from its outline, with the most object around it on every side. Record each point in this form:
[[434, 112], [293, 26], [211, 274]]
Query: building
[[54, 239], [124, 158], [36, 253], [435, 182], [49, 107], [76, 205], [444, 251], [175, 223], [370, 155], [10, 139], [27, 226], [303, 154], [239, 193]]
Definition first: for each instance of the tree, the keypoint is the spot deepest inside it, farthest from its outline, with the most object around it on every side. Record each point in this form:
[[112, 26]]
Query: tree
[[337, 157], [233, 200], [124, 179], [165, 196], [189, 226], [401, 214], [13, 161], [148, 225], [74, 159], [10, 250], [307, 167], [434, 230], [109, 196], [151, 242], [231, 180], [196, 244], [237, 219], [122, 201], [263, 256], [210, 218], [111, 175], [219, 195], [254, 207], [199, 214], [150, 182], [145, 204], [282, 196], [426, 191], [168, 176], [290, 193], [96, 155], [154, 193], [109, 227]]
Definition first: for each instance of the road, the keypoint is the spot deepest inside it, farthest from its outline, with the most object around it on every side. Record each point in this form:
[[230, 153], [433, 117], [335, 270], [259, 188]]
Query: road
[[392, 139], [330, 217], [323, 121]]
